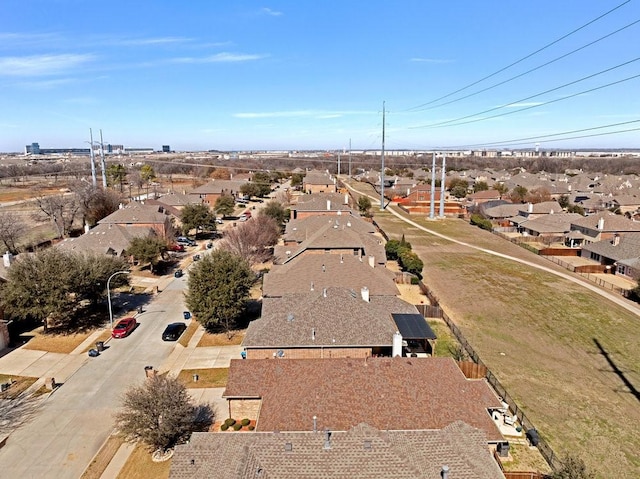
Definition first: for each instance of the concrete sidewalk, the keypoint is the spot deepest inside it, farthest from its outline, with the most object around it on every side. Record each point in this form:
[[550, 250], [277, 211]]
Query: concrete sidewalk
[[42, 364], [181, 358]]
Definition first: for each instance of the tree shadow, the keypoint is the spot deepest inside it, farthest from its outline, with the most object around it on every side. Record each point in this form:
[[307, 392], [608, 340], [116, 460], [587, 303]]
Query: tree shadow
[[632, 389], [16, 412], [204, 417]]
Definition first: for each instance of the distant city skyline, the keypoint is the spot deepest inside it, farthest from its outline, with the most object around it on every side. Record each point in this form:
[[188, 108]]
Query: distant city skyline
[[237, 76]]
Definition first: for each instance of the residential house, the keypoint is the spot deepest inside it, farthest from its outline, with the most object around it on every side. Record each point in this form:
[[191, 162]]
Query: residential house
[[326, 204], [319, 271], [329, 323], [399, 394], [106, 239], [619, 254], [603, 226], [319, 182], [214, 189], [140, 215], [483, 196], [623, 203], [554, 225], [338, 234], [418, 201], [361, 452]]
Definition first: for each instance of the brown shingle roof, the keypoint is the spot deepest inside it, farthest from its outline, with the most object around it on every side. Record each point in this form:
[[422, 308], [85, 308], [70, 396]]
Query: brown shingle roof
[[362, 452], [136, 213], [111, 239], [342, 318], [388, 393], [340, 270]]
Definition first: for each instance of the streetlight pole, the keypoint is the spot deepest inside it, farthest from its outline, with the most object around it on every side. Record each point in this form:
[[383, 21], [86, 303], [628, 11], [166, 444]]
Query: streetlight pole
[[109, 295]]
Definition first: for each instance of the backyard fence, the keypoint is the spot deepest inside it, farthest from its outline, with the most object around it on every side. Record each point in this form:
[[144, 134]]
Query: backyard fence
[[543, 446]]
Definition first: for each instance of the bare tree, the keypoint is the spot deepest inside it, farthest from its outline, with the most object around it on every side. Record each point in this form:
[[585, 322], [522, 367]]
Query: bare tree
[[60, 209], [95, 202], [12, 227], [252, 240]]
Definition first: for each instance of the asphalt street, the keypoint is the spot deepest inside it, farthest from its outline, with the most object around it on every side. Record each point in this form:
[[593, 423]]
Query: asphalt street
[[75, 421]]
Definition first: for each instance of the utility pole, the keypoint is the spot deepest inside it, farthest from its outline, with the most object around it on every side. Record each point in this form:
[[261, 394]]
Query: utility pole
[[93, 160], [338, 164], [382, 167], [102, 162]]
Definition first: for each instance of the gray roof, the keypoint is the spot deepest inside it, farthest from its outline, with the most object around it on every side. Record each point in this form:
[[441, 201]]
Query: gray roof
[[628, 247], [362, 452], [177, 199], [339, 319], [503, 211], [323, 202], [555, 223], [612, 223], [136, 213], [218, 186], [325, 270], [315, 177], [300, 230], [111, 239]]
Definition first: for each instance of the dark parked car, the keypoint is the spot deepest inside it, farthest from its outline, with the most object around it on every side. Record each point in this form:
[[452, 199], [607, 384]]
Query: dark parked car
[[178, 273], [183, 240], [173, 331], [124, 327]]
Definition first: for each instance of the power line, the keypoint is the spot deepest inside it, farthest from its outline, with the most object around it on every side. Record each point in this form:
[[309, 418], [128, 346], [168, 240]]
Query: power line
[[541, 137], [521, 59], [495, 85], [451, 122]]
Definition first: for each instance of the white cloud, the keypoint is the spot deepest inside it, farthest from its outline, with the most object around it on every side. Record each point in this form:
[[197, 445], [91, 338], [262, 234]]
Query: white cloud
[[41, 65], [46, 84], [273, 13], [223, 57], [151, 41]]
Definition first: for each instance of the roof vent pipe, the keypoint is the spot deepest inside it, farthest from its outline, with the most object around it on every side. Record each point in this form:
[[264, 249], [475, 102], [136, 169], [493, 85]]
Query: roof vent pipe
[[313, 334], [327, 439], [372, 261], [346, 198], [365, 293], [601, 224], [530, 207], [328, 205], [445, 472], [324, 292], [311, 285], [315, 423]]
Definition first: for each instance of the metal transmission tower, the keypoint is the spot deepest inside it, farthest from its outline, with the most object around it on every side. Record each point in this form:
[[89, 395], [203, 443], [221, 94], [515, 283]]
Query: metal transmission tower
[[382, 167], [102, 163], [93, 160], [432, 208], [444, 160]]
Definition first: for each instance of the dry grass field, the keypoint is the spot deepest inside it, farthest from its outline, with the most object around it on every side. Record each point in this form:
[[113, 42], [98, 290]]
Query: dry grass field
[[568, 356]]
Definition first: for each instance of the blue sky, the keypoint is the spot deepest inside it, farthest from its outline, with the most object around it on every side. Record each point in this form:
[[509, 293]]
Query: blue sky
[[240, 75]]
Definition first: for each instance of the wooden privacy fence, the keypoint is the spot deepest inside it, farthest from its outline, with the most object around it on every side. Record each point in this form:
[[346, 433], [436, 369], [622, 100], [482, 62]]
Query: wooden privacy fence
[[523, 475], [472, 370], [544, 448]]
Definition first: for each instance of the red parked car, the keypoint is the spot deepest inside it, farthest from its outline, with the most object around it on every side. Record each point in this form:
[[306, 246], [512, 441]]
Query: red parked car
[[176, 247], [124, 327]]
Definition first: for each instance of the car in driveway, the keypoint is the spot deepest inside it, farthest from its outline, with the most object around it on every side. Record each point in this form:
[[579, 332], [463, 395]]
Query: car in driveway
[[173, 331], [124, 327], [177, 248], [183, 240]]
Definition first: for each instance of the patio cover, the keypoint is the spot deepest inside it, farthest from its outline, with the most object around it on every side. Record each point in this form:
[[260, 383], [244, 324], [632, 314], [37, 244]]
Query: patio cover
[[413, 326]]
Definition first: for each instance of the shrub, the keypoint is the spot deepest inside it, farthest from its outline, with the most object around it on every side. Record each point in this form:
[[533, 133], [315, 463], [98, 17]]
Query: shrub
[[245, 422], [224, 427], [229, 422], [411, 262], [480, 222], [391, 248], [251, 428], [237, 426], [415, 280]]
